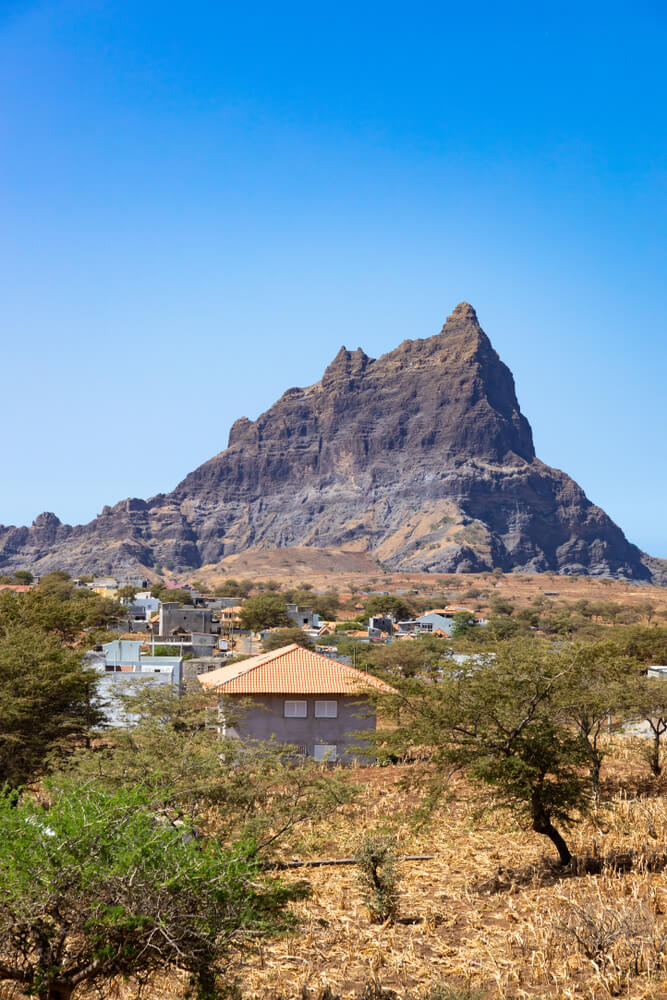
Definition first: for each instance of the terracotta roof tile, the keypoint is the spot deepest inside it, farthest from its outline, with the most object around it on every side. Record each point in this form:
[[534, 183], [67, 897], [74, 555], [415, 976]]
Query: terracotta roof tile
[[290, 670]]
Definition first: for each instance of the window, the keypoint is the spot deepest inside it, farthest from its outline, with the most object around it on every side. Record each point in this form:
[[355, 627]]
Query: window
[[324, 751], [326, 709], [296, 709]]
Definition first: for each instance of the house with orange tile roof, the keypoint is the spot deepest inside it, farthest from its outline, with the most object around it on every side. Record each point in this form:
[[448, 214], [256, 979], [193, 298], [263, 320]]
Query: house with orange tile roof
[[301, 698]]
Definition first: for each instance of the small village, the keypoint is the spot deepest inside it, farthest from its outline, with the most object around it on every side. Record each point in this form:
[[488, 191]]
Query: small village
[[184, 637]]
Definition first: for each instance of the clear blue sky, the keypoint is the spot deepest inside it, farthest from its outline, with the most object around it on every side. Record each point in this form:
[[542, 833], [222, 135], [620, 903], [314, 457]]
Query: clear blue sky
[[201, 202]]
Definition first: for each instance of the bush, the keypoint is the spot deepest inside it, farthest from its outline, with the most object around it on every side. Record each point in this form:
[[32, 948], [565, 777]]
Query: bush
[[376, 858], [286, 636]]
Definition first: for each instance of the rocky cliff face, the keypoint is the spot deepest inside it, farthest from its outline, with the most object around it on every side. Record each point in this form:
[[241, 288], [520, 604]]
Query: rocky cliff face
[[421, 457]]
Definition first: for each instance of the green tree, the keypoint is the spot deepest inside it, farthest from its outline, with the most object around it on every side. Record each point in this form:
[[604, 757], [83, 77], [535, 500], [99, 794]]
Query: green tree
[[175, 594], [501, 606], [265, 611], [48, 701], [326, 605], [418, 656], [127, 593], [58, 584], [64, 613], [285, 636], [502, 628], [234, 588], [299, 595], [378, 875], [23, 577], [464, 625], [648, 609], [649, 702], [497, 720], [595, 695], [527, 618], [103, 885], [645, 645], [388, 604]]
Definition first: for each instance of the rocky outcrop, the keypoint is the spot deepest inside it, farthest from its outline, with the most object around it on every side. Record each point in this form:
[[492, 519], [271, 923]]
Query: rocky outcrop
[[421, 457]]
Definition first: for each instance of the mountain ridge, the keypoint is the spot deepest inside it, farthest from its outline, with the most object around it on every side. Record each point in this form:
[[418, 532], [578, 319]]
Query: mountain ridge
[[421, 457]]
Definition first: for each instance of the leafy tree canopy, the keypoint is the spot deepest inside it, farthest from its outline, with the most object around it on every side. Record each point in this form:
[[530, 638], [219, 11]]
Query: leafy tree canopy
[[178, 594], [498, 718], [47, 701], [388, 604], [104, 884], [285, 636], [265, 611]]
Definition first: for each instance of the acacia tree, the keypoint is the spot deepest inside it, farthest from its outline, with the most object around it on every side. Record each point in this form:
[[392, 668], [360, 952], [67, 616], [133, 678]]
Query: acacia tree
[[649, 699], [497, 720], [595, 695], [59, 610], [100, 884]]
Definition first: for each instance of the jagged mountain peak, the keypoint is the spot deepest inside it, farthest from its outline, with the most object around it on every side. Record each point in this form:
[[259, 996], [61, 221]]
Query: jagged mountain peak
[[347, 364], [463, 311], [421, 458]]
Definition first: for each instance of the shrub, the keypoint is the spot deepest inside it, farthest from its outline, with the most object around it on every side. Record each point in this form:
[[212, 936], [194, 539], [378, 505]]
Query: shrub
[[376, 858]]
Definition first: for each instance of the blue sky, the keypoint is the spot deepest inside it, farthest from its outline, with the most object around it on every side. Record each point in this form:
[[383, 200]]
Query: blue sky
[[201, 202]]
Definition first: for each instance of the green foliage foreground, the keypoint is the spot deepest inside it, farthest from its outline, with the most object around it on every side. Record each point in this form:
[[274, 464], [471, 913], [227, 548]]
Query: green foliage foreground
[[102, 884]]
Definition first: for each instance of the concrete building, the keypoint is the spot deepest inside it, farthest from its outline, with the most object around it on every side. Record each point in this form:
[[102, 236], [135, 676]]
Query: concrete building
[[300, 698], [177, 619], [123, 667], [379, 626], [432, 622], [302, 615]]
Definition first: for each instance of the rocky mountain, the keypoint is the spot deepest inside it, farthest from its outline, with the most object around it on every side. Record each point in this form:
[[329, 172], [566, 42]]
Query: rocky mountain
[[421, 458]]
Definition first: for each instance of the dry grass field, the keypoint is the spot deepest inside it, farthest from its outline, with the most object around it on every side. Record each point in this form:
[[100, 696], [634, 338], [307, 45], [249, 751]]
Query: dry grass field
[[490, 916], [490, 913]]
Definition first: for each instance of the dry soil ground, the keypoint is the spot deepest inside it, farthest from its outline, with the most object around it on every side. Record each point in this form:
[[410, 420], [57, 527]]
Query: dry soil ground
[[489, 913]]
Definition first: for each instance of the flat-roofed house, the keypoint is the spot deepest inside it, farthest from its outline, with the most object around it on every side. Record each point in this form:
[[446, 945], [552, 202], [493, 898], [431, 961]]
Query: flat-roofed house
[[302, 698]]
